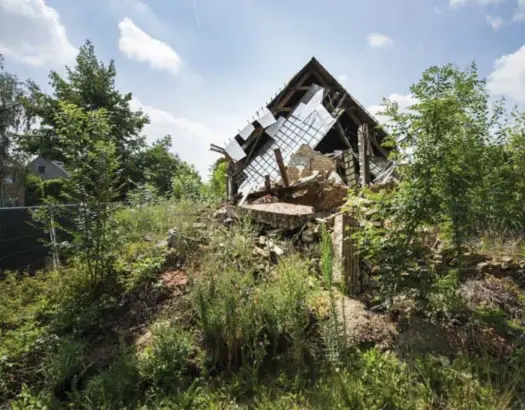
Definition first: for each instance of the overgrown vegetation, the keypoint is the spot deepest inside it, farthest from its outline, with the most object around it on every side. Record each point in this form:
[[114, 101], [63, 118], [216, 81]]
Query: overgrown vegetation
[[203, 320]]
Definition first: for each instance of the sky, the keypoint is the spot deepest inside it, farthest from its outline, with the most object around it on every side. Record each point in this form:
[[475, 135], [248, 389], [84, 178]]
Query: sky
[[201, 69]]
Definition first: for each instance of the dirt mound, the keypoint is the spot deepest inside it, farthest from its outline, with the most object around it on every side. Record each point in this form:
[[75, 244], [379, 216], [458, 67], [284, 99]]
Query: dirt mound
[[361, 326], [175, 280]]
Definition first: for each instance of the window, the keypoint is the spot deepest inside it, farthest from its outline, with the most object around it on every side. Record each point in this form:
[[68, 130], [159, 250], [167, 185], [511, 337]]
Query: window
[[41, 169]]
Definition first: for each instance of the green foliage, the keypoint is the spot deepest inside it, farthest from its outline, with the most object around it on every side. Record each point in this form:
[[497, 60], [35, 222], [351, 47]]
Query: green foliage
[[63, 365], [33, 400], [186, 184], [12, 120], [117, 387], [166, 363], [90, 85], [463, 167], [245, 320], [216, 187], [144, 269], [92, 157], [38, 189], [159, 166]]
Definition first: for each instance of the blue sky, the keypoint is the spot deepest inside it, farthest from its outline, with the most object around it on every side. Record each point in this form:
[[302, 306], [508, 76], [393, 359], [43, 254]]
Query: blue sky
[[202, 68]]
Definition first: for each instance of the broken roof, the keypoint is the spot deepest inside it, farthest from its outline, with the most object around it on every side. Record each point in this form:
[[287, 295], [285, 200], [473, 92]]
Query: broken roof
[[313, 109]]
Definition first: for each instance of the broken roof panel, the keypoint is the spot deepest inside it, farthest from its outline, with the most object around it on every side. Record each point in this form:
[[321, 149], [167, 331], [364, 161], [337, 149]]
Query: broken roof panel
[[308, 124], [235, 151]]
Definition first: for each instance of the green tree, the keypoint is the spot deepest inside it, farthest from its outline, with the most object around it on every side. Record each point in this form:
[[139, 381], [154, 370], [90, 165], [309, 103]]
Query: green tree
[[218, 178], [187, 183], [445, 138], [92, 154], [159, 165], [90, 85], [462, 172], [11, 121]]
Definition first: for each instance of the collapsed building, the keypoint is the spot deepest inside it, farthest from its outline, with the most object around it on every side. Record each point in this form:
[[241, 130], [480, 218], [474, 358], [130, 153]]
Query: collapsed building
[[313, 125], [300, 155]]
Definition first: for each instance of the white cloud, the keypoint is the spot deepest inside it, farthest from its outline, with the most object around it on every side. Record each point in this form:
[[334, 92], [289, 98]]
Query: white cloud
[[495, 22], [456, 3], [519, 13], [31, 33], [403, 100], [140, 46], [508, 77], [191, 139], [377, 40]]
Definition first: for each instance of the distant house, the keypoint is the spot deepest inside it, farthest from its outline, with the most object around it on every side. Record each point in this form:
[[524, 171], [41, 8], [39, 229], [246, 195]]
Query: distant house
[[47, 169]]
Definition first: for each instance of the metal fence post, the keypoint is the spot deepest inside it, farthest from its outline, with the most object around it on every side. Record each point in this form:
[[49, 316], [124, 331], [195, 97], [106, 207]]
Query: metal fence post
[[53, 238]]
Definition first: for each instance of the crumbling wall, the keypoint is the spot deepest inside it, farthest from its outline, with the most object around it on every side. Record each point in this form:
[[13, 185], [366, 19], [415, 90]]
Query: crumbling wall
[[305, 162]]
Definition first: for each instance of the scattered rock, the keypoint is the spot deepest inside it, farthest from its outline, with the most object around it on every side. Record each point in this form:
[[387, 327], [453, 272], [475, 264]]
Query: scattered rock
[[199, 225], [225, 213], [277, 251]]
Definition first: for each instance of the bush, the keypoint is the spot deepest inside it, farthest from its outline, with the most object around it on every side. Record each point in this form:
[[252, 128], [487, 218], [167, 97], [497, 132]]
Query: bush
[[118, 387], [247, 321], [37, 189], [63, 366], [165, 365]]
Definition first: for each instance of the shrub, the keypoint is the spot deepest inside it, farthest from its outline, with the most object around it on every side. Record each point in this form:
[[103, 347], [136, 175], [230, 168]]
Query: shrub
[[247, 320], [166, 363], [64, 365], [117, 387], [30, 399]]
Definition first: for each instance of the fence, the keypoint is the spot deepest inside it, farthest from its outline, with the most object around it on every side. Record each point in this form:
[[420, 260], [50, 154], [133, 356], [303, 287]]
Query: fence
[[24, 242]]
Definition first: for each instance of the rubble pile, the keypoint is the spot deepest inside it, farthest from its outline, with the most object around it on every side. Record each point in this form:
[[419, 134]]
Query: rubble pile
[[312, 180]]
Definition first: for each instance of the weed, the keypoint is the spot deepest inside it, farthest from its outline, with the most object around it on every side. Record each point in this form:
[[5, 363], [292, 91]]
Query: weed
[[165, 365], [117, 387]]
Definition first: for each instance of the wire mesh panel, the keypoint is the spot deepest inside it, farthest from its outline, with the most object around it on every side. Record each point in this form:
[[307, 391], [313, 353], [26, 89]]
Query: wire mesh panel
[[293, 133]]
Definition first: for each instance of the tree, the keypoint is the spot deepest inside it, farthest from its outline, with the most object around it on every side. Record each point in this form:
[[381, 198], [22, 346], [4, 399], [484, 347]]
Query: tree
[[445, 138], [215, 188], [92, 155], [11, 120], [187, 183], [159, 165], [463, 172], [90, 85], [218, 179]]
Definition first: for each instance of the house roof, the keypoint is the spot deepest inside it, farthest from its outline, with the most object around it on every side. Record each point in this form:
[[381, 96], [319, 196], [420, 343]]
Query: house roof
[[313, 109], [329, 80]]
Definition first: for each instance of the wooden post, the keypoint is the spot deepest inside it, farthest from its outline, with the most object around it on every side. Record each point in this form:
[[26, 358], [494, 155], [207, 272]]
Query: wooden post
[[282, 168], [364, 165]]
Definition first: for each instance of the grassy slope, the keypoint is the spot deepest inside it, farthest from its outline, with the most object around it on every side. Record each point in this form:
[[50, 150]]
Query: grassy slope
[[218, 326]]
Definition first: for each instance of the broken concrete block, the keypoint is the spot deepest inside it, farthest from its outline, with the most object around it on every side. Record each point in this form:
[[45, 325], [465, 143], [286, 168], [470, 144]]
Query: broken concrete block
[[278, 215], [224, 213]]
